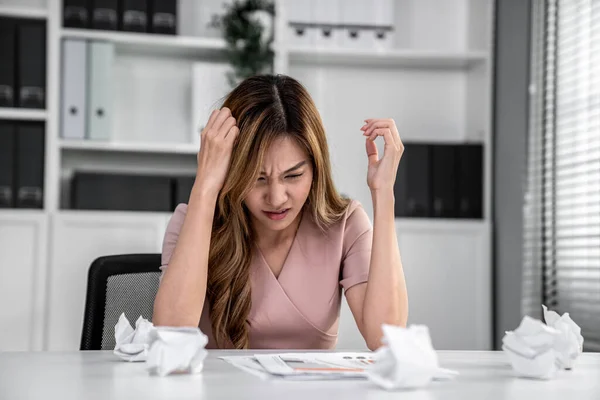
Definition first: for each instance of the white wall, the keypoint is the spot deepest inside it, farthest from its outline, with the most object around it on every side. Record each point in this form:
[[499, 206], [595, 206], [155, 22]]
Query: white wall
[[448, 281]]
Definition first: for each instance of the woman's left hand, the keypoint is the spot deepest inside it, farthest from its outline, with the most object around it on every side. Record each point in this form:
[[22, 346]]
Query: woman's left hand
[[382, 172]]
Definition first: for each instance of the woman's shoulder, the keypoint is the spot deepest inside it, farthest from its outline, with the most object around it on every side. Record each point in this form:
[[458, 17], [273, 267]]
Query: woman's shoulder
[[350, 227], [356, 217], [177, 218], [172, 232], [354, 221], [181, 209], [354, 206]]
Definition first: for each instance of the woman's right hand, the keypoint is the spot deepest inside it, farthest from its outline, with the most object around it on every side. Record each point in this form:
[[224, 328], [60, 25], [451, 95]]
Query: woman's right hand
[[216, 143]]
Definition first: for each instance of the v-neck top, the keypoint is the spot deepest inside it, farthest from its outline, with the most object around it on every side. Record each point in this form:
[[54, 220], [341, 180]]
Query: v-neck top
[[300, 308]]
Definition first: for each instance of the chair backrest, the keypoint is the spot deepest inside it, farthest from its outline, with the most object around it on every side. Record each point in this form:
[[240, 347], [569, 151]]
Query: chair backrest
[[118, 284]]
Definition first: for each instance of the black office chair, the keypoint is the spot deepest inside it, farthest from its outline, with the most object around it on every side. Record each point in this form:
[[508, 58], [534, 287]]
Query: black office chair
[[122, 283]]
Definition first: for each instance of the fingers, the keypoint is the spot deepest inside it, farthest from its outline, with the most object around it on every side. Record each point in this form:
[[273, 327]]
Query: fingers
[[222, 116], [220, 124], [372, 124], [388, 137], [226, 127], [211, 119], [372, 152], [232, 134]]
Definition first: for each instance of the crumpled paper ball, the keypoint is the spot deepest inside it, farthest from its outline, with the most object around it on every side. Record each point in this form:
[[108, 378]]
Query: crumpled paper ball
[[407, 360], [176, 350], [569, 343], [132, 344], [531, 349]]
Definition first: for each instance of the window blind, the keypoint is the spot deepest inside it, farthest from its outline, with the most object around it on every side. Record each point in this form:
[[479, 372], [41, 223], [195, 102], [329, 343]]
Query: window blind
[[562, 205]]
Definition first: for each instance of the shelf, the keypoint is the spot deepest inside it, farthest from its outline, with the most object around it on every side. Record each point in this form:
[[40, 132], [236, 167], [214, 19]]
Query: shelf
[[389, 58], [23, 12], [153, 44], [156, 148], [21, 214], [441, 224], [23, 114], [86, 215]]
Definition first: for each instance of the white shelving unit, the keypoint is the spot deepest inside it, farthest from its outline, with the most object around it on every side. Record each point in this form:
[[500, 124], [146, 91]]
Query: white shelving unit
[[390, 58], [152, 44], [436, 82], [156, 148], [19, 11], [23, 114]]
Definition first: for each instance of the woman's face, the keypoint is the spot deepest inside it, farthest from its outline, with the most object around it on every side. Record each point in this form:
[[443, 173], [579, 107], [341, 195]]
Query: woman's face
[[283, 186]]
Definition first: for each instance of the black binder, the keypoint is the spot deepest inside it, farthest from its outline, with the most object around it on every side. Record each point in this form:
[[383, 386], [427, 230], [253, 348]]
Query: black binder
[[105, 14], [412, 189], [104, 191], [443, 178], [134, 15], [164, 16], [31, 37], [7, 163], [470, 181], [30, 165], [182, 189], [76, 13], [7, 62]]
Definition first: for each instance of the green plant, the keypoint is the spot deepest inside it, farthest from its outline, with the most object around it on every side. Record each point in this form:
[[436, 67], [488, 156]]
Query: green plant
[[247, 27]]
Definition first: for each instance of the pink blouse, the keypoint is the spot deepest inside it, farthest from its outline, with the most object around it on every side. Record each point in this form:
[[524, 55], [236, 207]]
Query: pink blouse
[[299, 309]]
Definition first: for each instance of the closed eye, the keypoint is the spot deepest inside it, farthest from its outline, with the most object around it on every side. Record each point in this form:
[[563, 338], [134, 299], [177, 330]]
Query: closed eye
[[294, 176]]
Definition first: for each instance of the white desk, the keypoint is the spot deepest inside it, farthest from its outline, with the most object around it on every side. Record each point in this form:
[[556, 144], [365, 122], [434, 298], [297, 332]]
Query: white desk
[[100, 375]]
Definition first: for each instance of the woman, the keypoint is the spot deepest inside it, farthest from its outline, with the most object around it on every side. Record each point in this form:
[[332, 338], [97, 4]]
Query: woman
[[258, 255]]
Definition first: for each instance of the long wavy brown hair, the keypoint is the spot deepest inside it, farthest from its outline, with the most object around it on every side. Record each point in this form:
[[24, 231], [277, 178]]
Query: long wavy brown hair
[[265, 107]]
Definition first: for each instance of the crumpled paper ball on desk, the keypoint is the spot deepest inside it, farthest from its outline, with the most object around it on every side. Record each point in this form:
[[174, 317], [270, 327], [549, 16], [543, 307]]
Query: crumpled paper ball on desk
[[176, 350], [132, 344], [569, 343], [407, 360]]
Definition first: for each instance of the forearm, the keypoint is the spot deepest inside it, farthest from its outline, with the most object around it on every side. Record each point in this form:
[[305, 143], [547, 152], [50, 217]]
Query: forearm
[[386, 299], [181, 294]]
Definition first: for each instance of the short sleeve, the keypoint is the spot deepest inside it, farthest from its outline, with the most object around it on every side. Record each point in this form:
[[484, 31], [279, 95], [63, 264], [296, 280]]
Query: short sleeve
[[172, 234], [357, 242]]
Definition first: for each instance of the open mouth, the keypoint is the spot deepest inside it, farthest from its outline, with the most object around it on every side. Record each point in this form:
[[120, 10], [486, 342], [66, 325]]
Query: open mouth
[[277, 215]]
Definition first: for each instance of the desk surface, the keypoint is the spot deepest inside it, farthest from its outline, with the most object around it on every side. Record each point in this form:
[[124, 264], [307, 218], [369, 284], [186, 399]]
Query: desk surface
[[91, 375]]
